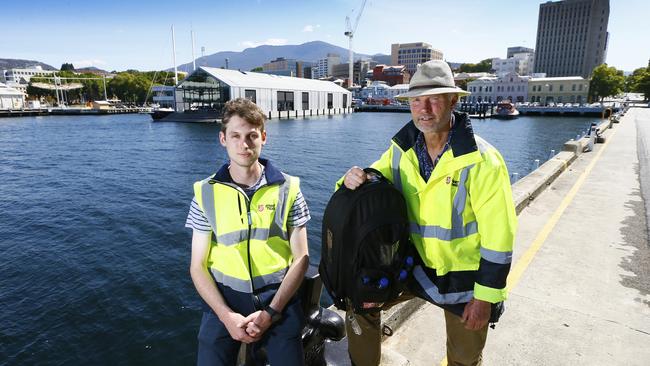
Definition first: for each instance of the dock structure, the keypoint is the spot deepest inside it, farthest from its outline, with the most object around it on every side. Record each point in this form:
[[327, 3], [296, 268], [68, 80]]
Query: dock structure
[[580, 278], [70, 111]]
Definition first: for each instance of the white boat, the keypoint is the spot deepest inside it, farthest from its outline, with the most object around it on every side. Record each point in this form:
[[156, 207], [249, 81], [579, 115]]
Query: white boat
[[506, 110]]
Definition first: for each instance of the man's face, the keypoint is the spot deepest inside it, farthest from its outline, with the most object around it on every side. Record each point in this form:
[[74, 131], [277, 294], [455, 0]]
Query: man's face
[[242, 141], [432, 113]]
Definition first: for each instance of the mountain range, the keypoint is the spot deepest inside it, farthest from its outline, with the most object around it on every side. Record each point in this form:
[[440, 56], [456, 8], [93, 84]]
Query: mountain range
[[257, 56], [12, 63]]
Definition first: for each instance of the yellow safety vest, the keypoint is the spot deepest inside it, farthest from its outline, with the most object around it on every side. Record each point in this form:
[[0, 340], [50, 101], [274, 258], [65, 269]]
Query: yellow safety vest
[[463, 220], [250, 247]]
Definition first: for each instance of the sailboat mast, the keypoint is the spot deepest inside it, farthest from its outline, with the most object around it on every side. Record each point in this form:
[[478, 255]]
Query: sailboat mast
[[174, 56], [193, 57]]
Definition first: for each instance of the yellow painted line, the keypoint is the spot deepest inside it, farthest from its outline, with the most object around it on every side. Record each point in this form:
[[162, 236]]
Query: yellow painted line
[[523, 262]]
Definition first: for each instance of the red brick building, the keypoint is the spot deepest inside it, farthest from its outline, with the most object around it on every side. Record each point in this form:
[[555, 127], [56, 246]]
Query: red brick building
[[392, 75]]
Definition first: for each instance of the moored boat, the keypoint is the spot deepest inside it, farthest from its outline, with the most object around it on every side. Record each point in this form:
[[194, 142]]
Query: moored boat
[[506, 110]]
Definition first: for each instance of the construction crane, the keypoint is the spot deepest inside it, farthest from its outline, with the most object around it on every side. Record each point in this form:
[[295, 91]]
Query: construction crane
[[350, 32]]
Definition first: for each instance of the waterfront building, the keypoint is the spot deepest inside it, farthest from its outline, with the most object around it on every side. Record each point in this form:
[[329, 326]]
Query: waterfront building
[[164, 95], [11, 98], [392, 75], [359, 71], [520, 60], [412, 54], [512, 87], [398, 89], [482, 89], [324, 67], [567, 89], [572, 37], [285, 67], [19, 78], [210, 88]]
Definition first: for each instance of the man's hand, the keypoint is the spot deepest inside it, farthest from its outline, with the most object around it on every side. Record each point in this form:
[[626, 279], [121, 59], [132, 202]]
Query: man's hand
[[354, 178], [257, 324], [235, 324], [476, 314]]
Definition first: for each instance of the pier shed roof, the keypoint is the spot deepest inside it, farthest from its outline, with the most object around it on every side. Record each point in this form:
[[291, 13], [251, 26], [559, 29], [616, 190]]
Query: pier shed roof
[[247, 79]]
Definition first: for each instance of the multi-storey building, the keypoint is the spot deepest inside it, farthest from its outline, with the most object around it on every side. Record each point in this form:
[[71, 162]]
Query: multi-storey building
[[512, 87], [324, 67], [482, 89], [520, 60], [412, 54], [285, 67], [19, 78], [571, 89], [359, 71], [571, 37]]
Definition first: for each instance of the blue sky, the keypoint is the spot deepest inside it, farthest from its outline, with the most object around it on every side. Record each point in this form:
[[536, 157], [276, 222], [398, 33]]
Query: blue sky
[[117, 35]]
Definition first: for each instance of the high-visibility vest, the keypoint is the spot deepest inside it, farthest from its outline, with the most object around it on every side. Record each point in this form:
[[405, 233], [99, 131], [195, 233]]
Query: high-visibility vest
[[250, 246], [463, 220]]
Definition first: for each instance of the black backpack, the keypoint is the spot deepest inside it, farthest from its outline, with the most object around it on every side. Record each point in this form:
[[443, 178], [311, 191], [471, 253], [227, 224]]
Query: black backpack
[[366, 255]]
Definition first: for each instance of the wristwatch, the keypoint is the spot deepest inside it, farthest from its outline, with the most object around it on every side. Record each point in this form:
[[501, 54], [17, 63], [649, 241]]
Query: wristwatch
[[275, 316]]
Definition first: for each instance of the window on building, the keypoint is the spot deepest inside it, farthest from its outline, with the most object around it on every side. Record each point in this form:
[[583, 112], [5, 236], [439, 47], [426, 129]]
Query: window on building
[[250, 95], [330, 101], [561, 87], [550, 88], [305, 101], [580, 87], [285, 101], [345, 100]]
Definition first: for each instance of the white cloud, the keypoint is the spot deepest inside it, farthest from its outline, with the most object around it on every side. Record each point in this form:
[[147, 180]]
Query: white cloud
[[310, 28], [268, 42], [88, 63]]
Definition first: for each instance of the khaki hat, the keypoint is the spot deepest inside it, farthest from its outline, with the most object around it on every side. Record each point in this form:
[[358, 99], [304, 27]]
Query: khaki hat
[[432, 77]]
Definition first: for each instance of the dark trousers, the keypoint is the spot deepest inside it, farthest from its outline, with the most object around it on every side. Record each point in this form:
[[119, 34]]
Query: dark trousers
[[282, 341]]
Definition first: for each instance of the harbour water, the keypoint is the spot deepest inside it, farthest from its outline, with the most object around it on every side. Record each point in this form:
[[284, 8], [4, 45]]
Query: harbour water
[[95, 257]]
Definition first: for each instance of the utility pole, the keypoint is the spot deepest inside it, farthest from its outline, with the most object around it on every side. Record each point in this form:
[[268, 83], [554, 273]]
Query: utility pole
[[227, 62]]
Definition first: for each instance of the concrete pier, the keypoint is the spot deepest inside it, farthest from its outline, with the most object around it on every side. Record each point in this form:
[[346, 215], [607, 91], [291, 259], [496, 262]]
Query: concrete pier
[[580, 280]]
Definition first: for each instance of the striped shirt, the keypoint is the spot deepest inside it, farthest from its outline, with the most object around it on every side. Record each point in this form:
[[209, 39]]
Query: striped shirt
[[298, 215]]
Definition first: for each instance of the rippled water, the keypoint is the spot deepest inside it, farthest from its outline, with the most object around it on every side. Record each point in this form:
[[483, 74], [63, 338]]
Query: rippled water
[[95, 257]]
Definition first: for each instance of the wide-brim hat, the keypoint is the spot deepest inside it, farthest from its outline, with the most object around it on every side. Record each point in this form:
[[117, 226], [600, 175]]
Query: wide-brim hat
[[432, 77]]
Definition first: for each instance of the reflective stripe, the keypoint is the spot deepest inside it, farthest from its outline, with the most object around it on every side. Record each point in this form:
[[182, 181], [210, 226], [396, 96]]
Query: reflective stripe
[[239, 236], [397, 178], [277, 226], [460, 200], [432, 290], [496, 257], [438, 232], [240, 285], [271, 278], [207, 198]]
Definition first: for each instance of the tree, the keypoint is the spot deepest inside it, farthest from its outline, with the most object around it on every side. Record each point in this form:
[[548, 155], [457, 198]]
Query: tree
[[483, 66], [257, 69], [67, 67], [606, 81], [639, 82]]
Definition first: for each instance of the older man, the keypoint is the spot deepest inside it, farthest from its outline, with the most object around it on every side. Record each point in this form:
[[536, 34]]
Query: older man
[[462, 217]]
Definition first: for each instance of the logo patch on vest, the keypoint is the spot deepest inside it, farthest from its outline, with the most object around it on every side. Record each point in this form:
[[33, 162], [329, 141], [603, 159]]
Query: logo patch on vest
[[448, 180], [260, 208]]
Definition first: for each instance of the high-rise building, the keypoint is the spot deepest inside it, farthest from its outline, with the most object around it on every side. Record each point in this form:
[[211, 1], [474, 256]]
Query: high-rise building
[[571, 37], [412, 54], [324, 67], [520, 60]]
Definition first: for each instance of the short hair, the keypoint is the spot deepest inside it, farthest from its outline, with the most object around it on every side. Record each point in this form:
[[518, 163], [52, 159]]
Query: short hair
[[244, 108]]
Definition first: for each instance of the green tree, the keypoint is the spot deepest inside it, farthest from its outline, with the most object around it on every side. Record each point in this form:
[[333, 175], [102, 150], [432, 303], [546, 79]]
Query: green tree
[[639, 82], [257, 69], [606, 81], [483, 66], [67, 67]]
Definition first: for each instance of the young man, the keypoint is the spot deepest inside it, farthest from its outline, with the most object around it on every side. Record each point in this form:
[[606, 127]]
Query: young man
[[463, 220], [249, 248]]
